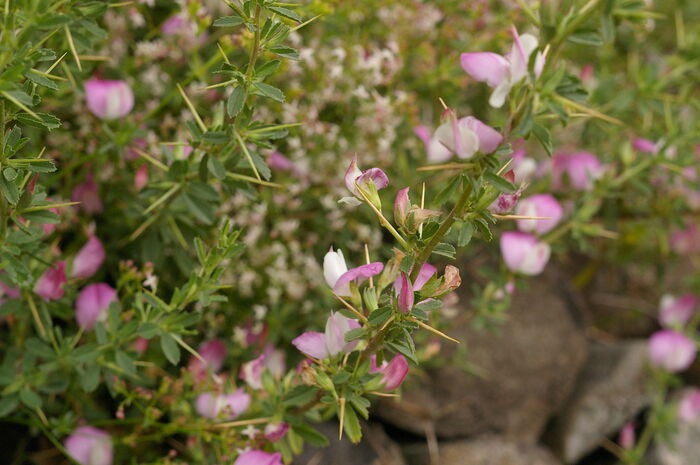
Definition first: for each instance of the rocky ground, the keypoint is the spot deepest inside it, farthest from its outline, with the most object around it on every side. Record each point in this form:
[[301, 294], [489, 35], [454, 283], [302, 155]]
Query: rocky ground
[[553, 387]]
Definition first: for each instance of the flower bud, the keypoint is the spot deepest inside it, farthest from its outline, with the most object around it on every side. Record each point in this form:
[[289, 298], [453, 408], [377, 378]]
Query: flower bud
[[92, 304], [88, 259], [258, 457], [89, 446], [627, 436], [451, 280], [108, 99], [401, 206], [405, 294], [671, 350], [523, 253], [333, 268], [394, 372], [50, 285]]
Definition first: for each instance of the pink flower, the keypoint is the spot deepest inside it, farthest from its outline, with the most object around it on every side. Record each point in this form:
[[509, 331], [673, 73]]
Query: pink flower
[[684, 241], [539, 205], [89, 446], [644, 145], [463, 137], [671, 350], [88, 259], [279, 162], [276, 431], [369, 181], [271, 360], [394, 372], [50, 285], [141, 177], [689, 406], [581, 168], [405, 298], [108, 99], [258, 457], [506, 202], [676, 311], [86, 193], [337, 275], [426, 272], [503, 72], [214, 405], [329, 343], [213, 352], [409, 217], [523, 253], [627, 436], [92, 304]]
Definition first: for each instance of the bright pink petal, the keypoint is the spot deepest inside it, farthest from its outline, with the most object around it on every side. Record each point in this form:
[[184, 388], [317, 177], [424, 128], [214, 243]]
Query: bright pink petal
[[487, 67], [258, 457], [395, 372], [89, 259], [92, 304], [359, 273]]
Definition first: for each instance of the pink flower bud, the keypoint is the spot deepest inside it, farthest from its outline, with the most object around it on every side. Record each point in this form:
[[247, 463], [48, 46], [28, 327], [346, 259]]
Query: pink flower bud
[[108, 99], [539, 205], [405, 294], [258, 457], [214, 353], [523, 253], [141, 177], [333, 268], [671, 350], [402, 204], [627, 436], [88, 259], [276, 431], [215, 405], [689, 406], [86, 193], [89, 446], [394, 372], [50, 285], [677, 311], [369, 180], [92, 304], [644, 145]]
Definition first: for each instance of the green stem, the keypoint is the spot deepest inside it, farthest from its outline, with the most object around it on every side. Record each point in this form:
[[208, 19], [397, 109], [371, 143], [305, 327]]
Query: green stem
[[456, 212], [256, 46]]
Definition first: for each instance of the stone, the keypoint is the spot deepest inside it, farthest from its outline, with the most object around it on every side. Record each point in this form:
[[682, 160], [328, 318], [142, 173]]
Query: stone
[[525, 372], [485, 450], [611, 390], [375, 448]]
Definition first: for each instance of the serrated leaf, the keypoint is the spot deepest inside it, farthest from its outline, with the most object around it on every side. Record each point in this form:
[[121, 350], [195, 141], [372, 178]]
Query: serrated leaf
[[42, 217], [9, 190], [47, 121], [9, 173], [379, 317], [235, 101], [228, 21], [286, 52], [351, 425], [90, 378], [465, 234], [445, 249], [41, 80], [543, 136]]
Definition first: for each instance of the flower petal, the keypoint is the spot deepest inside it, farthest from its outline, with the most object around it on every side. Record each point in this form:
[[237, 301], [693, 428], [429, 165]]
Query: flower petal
[[487, 67]]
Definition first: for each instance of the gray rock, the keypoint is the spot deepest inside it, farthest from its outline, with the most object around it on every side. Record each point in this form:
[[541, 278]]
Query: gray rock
[[526, 371], [611, 390], [486, 450], [374, 449], [684, 448]]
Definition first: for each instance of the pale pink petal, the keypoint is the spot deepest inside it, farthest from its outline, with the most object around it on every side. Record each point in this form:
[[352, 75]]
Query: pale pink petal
[[489, 138], [88, 259], [358, 274], [312, 344], [671, 350], [487, 67], [92, 304]]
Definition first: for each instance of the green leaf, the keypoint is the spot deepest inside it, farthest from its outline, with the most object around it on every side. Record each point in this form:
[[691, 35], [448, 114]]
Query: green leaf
[[286, 52], [287, 13], [41, 80], [379, 317], [445, 249], [310, 435], [299, 395], [543, 136], [269, 91], [235, 101], [47, 121], [170, 348], [266, 69], [9, 190], [42, 217], [90, 379], [353, 334], [30, 398], [148, 330], [351, 425], [7, 405], [586, 38], [465, 234], [216, 168], [9, 173], [228, 21], [499, 182]]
